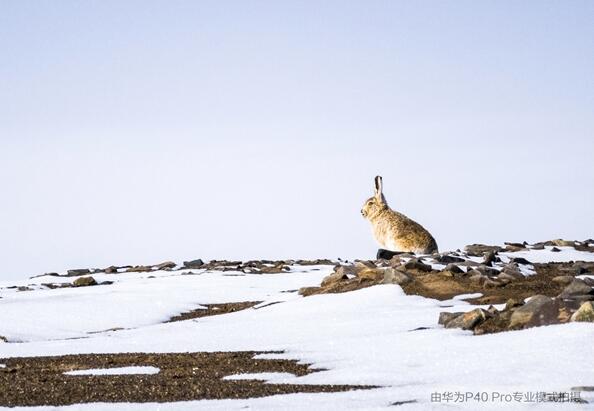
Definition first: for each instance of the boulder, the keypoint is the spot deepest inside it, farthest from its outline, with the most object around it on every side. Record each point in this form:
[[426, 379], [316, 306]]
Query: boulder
[[540, 310], [490, 258], [139, 269], [448, 259], [585, 313], [84, 282], [386, 254], [575, 288], [194, 263], [372, 274]]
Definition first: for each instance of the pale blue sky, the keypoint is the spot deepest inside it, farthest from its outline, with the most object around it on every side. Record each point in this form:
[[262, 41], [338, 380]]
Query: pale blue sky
[[137, 131]]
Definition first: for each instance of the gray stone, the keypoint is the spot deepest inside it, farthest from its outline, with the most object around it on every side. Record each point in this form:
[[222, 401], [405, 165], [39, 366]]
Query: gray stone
[[194, 263], [540, 310], [478, 250], [167, 265], [576, 287], [392, 276], [78, 271]]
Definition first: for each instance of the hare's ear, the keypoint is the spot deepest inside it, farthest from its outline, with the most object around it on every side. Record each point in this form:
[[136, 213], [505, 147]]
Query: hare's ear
[[378, 187]]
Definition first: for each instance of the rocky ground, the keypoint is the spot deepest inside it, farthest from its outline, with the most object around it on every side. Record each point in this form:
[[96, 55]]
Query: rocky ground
[[534, 294]]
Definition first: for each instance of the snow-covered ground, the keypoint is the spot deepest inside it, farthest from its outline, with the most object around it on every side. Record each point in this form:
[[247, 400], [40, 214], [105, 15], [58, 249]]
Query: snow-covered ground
[[375, 336]]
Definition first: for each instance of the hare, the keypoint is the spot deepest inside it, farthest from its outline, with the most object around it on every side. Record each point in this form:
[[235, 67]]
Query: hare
[[395, 231]]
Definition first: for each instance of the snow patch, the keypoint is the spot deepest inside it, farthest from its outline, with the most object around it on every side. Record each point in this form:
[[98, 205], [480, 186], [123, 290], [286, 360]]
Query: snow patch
[[134, 370]]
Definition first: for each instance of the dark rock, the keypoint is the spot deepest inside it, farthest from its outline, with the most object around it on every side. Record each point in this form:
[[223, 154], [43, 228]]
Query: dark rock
[[555, 250], [415, 264], [540, 310], [78, 271], [194, 263], [516, 245], [387, 254], [479, 250], [490, 258], [3, 339], [84, 282], [538, 246], [111, 270], [520, 260], [453, 268], [581, 270], [448, 259]]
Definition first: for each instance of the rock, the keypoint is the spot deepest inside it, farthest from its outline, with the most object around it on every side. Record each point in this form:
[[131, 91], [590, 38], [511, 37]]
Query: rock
[[3, 339], [307, 291], [334, 278], [579, 270], [576, 287], [275, 269], [513, 270], [167, 265], [506, 277], [386, 254], [555, 250], [448, 259], [476, 277], [78, 271], [513, 303], [563, 243], [585, 313], [469, 320], [24, 288], [538, 246], [373, 274], [483, 269], [139, 269], [84, 282], [112, 269], [445, 317], [415, 264], [345, 269], [479, 250], [563, 279], [194, 263], [516, 245], [392, 276], [488, 283], [453, 268], [520, 260], [490, 258], [540, 310]]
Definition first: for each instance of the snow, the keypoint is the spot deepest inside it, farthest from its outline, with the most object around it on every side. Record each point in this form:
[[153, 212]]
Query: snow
[[116, 371], [544, 256], [375, 336], [270, 377], [468, 296]]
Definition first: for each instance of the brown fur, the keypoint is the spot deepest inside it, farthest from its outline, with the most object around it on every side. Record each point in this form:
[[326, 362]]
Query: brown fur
[[395, 231]]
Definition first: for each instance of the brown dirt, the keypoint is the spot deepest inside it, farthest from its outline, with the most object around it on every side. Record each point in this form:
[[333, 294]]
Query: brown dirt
[[183, 377], [438, 286], [214, 309]]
